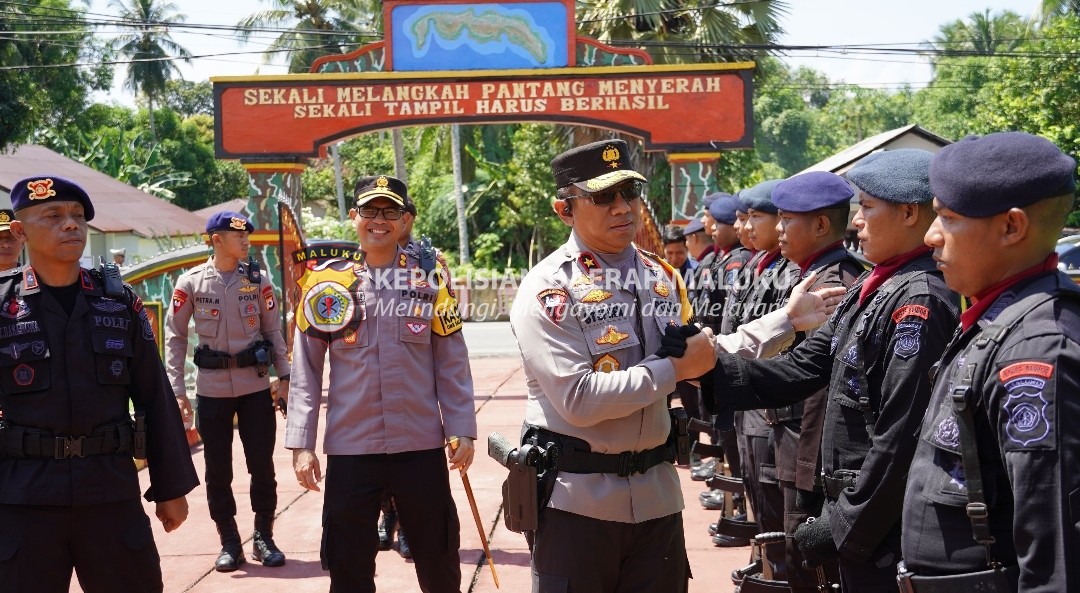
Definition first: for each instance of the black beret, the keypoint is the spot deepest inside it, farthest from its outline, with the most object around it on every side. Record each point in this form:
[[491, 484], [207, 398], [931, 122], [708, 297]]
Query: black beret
[[694, 226], [381, 186], [36, 190], [723, 208], [229, 221], [901, 176], [983, 176], [811, 191], [741, 205], [595, 166], [759, 197]]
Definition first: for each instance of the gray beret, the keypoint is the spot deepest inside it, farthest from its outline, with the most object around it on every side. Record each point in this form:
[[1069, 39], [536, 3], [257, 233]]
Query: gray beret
[[811, 191], [694, 226], [708, 199], [741, 205], [723, 208], [901, 176], [980, 177], [759, 197]]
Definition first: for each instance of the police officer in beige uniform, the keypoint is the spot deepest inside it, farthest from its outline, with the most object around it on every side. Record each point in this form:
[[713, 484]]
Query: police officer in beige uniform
[[239, 328], [10, 245], [587, 320], [400, 389]]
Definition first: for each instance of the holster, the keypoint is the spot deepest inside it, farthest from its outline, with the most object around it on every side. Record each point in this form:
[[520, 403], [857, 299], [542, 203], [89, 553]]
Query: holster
[[994, 580]]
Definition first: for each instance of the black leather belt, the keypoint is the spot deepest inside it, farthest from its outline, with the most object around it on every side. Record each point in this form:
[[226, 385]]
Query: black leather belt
[[785, 414], [573, 459], [836, 483], [212, 359], [20, 442]]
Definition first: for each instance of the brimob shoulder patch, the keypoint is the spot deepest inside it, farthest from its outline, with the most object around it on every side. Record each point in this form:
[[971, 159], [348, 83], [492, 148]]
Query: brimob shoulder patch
[[910, 311], [1027, 408], [908, 339]]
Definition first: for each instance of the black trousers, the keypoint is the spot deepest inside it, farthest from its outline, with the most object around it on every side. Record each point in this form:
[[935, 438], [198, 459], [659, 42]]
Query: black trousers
[[876, 574], [420, 484], [576, 554], [257, 425], [799, 578], [109, 546]]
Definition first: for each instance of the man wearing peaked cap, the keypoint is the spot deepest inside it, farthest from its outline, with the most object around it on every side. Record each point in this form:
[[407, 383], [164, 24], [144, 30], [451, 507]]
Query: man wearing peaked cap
[[10, 247], [813, 209], [77, 356], [587, 320], [395, 433], [1006, 400], [235, 315], [875, 356]]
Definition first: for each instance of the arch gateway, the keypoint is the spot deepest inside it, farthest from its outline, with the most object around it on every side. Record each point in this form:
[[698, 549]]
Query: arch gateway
[[474, 61]]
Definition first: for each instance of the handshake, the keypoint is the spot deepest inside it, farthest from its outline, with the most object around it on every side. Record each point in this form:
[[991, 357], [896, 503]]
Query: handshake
[[692, 350]]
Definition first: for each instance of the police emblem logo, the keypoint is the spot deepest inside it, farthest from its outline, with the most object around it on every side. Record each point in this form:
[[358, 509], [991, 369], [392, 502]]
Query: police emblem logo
[[554, 303], [268, 298], [179, 297], [661, 289], [947, 433], [596, 296], [252, 322], [23, 375], [350, 336], [41, 189], [237, 223], [14, 308], [612, 336], [248, 288], [147, 327], [1026, 407], [116, 367], [38, 347], [416, 328], [908, 339], [107, 305], [250, 309], [382, 182], [328, 306], [4, 218], [606, 364], [611, 156]]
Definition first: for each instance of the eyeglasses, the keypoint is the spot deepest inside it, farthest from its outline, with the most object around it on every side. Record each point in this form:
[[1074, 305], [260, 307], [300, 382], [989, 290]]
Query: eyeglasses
[[388, 213], [606, 197]]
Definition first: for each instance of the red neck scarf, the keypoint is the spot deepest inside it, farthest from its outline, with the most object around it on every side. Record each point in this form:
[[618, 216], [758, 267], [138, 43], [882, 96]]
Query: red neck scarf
[[887, 269], [982, 301], [805, 265], [766, 261]]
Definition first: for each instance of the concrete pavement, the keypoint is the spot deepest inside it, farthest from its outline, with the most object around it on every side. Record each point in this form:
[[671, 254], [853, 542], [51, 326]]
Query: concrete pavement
[[188, 554]]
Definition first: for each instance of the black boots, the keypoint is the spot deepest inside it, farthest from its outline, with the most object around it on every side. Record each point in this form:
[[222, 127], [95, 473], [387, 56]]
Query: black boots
[[263, 548], [387, 525], [403, 545], [232, 555]]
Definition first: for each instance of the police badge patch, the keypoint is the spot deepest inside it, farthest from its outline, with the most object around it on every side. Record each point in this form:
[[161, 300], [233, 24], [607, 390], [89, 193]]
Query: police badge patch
[[908, 339], [1028, 423], [553, 301]]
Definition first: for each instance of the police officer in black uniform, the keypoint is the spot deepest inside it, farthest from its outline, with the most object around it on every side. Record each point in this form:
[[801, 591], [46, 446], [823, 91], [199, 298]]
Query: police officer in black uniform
[[76, 349], [874, 354], [993, 495]]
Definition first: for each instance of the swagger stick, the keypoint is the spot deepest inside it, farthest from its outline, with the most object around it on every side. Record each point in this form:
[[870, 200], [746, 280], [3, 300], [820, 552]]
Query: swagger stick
[[476, 515]]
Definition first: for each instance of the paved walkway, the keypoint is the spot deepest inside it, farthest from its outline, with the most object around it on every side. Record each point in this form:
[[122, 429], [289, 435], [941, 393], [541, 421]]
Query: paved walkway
[[188, 554]]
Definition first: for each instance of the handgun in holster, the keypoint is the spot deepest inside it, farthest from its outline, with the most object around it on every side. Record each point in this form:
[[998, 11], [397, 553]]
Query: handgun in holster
[[680, 435], [138, 445], [528, 486]]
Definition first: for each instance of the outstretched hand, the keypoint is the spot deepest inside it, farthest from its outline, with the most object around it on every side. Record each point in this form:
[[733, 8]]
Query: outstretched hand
[[808, 310]]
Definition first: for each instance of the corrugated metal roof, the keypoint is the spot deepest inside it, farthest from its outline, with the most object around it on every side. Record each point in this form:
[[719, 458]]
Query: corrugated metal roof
[[118, 207]]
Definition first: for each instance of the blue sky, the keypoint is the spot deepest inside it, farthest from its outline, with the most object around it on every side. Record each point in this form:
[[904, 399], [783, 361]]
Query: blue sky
[[809, 22]]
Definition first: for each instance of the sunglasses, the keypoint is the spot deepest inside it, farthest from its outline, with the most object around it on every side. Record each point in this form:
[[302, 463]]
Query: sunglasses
[[388, 213], [606, 197]]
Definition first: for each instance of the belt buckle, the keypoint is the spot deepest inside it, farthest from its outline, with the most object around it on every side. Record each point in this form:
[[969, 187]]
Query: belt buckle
[[631, 463], [66, 448]]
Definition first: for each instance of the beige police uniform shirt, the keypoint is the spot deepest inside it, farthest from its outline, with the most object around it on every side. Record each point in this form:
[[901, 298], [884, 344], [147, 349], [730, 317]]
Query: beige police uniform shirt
[[400, 378], [586, 344], [228, 316]]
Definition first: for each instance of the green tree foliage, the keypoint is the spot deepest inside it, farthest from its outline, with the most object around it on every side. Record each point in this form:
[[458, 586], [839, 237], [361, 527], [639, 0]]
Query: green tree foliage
[[314, 28], [189, 98], [149, 47], [34, 93]]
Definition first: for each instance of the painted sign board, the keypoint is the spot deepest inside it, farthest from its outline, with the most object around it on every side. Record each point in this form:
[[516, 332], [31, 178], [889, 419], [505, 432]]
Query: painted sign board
[[700, 107], [478, 35]]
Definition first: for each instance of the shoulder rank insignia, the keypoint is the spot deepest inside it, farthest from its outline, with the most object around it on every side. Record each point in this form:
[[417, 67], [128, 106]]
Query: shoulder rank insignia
[[596, 296], [588, 262], [606, 364], [661, 289], [612, 337]]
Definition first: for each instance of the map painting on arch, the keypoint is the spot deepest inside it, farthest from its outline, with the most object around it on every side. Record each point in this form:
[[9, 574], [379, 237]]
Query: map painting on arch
[[479, 36]]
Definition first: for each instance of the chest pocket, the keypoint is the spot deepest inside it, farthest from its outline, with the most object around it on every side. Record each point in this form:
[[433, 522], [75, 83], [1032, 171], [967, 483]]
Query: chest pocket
[[249, 315], [112, 356], [206, 320], [611, 335], [415, 327], [24, 365], [353, 336]]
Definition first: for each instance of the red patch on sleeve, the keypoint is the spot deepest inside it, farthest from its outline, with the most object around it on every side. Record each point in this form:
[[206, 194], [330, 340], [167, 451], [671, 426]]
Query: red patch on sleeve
[[179, 297], [1026, 369], [554, 302], [910, 311], [268, 298]]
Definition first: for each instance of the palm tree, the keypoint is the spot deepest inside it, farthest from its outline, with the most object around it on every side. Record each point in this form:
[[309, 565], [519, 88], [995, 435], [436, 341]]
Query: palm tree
[[981, 34], [149, 47], [313, 28], [1052, 8]]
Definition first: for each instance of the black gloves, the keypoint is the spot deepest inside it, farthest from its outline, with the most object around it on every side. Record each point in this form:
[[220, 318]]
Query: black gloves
[[815, 540], [673, 342], [809, 502]]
